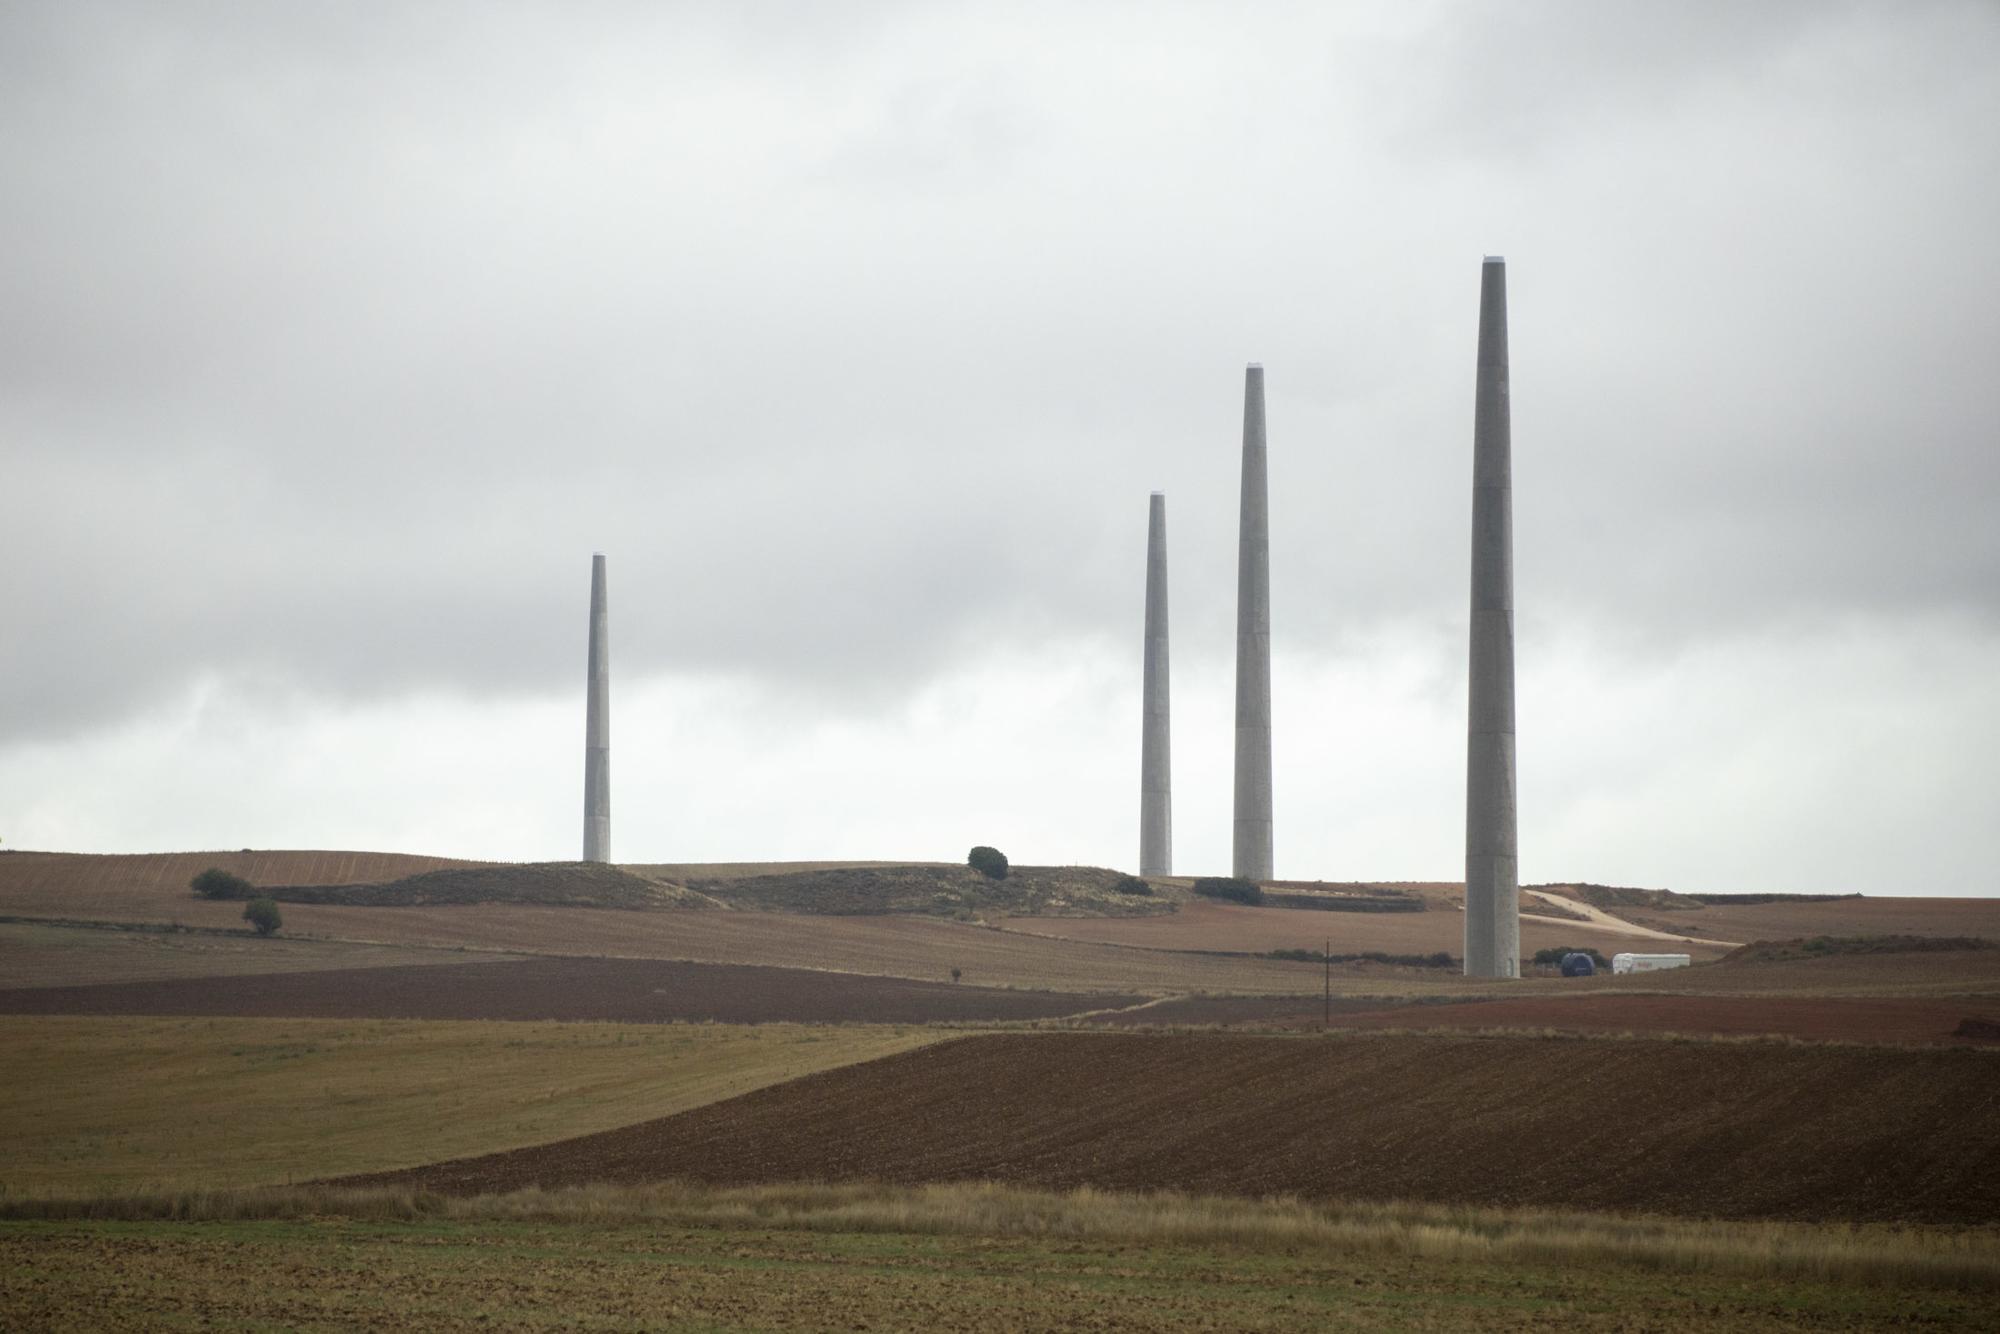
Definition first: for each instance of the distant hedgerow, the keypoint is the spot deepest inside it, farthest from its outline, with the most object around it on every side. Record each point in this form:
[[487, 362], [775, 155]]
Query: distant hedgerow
[[216, 883], [1133, 885], [1441, 959], [1234, 888]]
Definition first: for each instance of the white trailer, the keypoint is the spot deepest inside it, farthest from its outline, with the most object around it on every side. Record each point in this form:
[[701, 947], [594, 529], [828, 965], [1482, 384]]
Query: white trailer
[[1648, 963]]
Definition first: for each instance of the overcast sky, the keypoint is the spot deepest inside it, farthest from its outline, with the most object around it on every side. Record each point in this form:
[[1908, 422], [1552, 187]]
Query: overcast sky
[[335, 338]]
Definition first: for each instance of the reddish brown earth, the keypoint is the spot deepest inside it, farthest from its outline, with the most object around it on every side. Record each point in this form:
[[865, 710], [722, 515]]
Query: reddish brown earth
[[1740, 1130], [1968, 973], [1206, 925], [1870, 1020], [1871, 916], [925, 948], [153, 888], [637, 990]]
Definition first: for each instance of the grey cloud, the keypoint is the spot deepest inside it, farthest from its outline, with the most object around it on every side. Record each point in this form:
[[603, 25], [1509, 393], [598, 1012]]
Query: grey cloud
[[333, 343]]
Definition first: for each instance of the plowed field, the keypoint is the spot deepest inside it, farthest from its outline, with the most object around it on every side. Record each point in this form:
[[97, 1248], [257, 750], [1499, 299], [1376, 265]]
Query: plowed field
[[638, 990], [833, 1272], [1960, 973], [1834, 917], [1886, 1020], [1707, 1129]]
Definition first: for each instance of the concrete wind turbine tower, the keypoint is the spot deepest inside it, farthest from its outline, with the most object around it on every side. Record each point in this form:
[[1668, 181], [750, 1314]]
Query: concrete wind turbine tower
[[1492, 867], [597, 728], [1251, 857], [1156, 779]]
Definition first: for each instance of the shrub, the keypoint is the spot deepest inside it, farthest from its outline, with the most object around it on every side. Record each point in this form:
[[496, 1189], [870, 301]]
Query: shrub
[[263, 914], [1133, 885], [989, 862], [957, 973], [216, 883], [1552, 957], [1234, 888]]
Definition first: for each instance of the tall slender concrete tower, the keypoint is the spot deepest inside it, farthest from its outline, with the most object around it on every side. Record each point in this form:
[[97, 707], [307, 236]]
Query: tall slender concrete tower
[[1492, 868], [1156, 770], [597, 728], [1252, 853]]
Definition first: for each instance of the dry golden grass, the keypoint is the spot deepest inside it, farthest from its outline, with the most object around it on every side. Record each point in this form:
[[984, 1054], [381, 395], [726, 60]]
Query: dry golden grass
[[118, 1104]]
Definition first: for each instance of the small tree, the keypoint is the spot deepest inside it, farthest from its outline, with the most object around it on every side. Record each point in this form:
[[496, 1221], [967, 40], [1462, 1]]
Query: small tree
[[989, 862], [956, 974], [264, 915], [216, 883]]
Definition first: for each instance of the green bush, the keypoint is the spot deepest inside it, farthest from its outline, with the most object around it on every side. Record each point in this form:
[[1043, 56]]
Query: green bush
[[1233, 888], [989, 862], [1133, 885], [263, 914], [216, 883]]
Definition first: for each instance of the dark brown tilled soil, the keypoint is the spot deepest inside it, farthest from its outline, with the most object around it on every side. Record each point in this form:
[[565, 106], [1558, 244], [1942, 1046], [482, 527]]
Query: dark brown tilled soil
[[1733, 1130], [637, 990], [1244, 1011], [1887, 1019]]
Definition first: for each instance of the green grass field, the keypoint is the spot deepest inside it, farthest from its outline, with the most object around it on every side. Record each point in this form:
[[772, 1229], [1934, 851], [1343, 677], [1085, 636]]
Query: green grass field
[[958, 1257], [117, 1104]]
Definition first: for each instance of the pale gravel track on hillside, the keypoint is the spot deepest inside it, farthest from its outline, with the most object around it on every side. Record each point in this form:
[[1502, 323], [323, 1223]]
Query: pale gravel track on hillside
[[1606, 922]]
